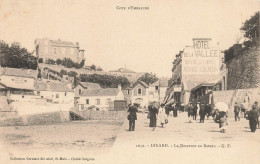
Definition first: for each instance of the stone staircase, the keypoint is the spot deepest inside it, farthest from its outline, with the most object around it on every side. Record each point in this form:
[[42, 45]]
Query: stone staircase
[[240, 96]]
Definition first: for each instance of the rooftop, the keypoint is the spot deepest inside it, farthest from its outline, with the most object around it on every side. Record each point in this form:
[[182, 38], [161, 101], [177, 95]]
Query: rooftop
[[88, 85], [101, 92], [18, 72], [124, 70], [51, 86]]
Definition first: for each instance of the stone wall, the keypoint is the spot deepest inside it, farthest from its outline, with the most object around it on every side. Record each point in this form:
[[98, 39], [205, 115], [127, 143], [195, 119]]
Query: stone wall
[[36, 119], [243, 69], [102, 115]]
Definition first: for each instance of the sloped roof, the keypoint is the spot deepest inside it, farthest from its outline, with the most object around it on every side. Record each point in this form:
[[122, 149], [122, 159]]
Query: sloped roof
[[140, 82], [155, 83], [88, 85], [124, 70], [51, 86], [101, 92], [18, 72]]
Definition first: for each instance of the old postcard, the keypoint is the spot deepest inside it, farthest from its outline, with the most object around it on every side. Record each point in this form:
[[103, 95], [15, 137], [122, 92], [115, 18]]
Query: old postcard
[[129, 81]]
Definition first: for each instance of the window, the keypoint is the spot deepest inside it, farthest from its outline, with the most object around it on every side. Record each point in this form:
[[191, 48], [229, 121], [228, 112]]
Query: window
[[156, 88], [57, 95], [139, 91], [98, 101], [54, 50], [87, 101], [12, 79], [107, 102], [128, 91], [22, 96], [65, 94], [79, 91], [25, 81]]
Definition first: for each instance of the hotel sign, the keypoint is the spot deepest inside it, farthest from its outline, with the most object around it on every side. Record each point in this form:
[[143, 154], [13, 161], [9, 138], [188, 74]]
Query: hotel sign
[[200, 58]]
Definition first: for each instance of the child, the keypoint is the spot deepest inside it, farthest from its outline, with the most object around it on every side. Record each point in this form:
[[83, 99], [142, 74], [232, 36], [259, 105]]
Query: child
[[223, 122]]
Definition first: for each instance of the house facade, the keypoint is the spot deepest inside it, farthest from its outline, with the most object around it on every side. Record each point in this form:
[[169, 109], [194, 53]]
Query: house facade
[[102, 99], [82, 86], [54, 92], [199, 64], [18, 79], [140, 93]]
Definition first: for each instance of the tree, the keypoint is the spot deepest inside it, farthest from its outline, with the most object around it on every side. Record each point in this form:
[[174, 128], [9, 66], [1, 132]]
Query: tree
[[58, 61], [93, 67], [148, 78], [105, 81], [40, 60], [16, 56], [63, 72], [251, 29], [50, 61]]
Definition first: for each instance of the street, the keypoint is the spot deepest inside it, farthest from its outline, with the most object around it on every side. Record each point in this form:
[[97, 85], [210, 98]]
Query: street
[[182, 142]]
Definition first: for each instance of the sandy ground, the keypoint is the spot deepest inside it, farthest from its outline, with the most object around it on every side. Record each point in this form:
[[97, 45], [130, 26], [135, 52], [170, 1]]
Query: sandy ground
[[184, 142], [179, 142], [79, 139]]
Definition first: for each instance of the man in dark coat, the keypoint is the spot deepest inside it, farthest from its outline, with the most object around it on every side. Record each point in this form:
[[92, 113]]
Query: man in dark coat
[[236, 111], [152, 112], [202, 113], [175, 110], [190, 111], [208, 110], [195, 110], [253, 118], [132, 117], [258, 112]]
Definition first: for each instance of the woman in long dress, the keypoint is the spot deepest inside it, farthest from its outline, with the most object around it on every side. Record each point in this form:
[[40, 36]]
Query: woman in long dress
[[161, 115]]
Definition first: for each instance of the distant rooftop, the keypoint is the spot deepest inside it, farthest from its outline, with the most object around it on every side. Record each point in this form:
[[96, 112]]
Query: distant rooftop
[[124, 70], [88, 85], [51, 86], [18, 72], [101, 92]]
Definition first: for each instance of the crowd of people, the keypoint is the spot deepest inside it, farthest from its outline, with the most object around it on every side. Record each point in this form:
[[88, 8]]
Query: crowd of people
[[158, 115]]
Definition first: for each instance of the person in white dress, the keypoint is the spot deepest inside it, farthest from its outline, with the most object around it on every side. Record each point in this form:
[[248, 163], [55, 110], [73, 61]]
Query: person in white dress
[[161, 115]]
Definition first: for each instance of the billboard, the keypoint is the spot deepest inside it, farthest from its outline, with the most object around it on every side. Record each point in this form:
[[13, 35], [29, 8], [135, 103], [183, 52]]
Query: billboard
[[200, 59]]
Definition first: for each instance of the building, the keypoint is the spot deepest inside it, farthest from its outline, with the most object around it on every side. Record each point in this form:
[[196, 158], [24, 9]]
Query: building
[[82, 86], [57, 49], [103, 99], [197, 68], [18, 80], [132, 76], [54, 92], [140, 93]]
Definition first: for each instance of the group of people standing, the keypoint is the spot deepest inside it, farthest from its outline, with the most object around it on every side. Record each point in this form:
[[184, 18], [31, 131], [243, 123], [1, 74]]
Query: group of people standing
[[200, 109], [160, 114]]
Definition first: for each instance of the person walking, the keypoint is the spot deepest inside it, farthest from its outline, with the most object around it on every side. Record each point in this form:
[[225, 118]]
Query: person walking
[[223, 122], [190, 112], [195, 110], [258, 112], [153, 111], [175, 110], [253, 118], [236, 111], [202, 113], [132, 117], [161, 115]]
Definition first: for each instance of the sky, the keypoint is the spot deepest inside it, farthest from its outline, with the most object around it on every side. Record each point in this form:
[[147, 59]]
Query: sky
[[140, 40]]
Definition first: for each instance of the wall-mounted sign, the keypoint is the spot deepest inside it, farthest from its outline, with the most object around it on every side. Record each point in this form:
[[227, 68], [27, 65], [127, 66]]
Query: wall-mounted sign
[[200, 58]]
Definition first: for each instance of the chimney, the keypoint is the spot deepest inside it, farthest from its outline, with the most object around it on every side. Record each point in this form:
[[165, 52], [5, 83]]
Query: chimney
[[119, 87]]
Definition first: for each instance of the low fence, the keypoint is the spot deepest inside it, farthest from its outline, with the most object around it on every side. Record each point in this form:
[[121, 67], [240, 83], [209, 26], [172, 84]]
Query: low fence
[[36, 119]]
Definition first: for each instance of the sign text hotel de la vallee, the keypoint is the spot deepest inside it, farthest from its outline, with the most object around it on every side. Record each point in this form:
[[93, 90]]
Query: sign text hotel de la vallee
[[201, 58]]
